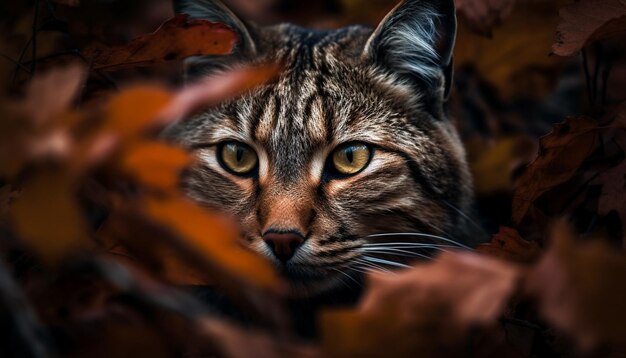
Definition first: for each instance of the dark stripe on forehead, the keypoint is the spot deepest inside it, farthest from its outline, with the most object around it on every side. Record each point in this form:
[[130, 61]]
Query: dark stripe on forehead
[[278, 107], [328, 109], [257, 114], [307, 112]]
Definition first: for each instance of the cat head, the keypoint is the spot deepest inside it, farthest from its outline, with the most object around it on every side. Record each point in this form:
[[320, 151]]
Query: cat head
[[350, 141]]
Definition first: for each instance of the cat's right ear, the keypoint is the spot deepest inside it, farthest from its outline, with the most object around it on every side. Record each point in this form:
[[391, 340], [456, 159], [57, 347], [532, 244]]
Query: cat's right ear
[[416, 41], [216, 11]]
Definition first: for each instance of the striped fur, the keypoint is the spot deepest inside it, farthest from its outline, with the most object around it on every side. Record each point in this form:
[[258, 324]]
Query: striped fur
[[336, 89]]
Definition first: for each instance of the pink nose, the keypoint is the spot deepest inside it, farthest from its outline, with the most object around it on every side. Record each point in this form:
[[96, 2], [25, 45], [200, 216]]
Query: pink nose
[[283, 244]]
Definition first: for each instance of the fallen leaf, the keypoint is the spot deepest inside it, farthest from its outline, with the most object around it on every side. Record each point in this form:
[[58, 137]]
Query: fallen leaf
[[484, 14], [508, 245], [216, 88], [177, 39], [133, 112], [580, 289], [232, 341], [613, 195], [33, 128], [154, 164], [587, 21], [50, 94], [48, 218], [561, 153], [492, 165], [515, 59], [213, 239], [423, 311]]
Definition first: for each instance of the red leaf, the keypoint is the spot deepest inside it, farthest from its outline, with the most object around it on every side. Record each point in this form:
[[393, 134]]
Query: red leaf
[[217, 88], [507, 244], [177, 39], [484, 14], [587, 21], [560, 155], [423, 311], [580, 288]]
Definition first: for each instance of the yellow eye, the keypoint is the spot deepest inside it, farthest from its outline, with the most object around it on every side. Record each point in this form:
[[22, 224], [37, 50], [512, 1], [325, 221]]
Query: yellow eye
[[351, 158], [238, 158]]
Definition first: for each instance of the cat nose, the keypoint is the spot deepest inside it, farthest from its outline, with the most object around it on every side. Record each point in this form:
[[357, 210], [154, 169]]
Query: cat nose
[[283, 244]]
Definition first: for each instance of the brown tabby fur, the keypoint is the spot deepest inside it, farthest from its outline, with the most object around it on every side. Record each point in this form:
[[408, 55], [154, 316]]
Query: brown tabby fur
[[335, 88]]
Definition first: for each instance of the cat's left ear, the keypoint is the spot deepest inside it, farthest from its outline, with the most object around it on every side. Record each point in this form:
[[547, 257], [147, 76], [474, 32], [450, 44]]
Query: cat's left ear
[[415, 41]]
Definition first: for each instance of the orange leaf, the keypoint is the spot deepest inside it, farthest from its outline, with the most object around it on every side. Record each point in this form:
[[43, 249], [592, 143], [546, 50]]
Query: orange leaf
[[213, 239], [176, 39], [155, 164], [217, 88], [47, 217], [134, 111]]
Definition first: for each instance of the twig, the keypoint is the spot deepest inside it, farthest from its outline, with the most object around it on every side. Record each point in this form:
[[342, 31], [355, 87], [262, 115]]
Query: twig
[[23, 334], [522, 323], [605, 81], [33, 64], [587, 78], [597, 49], [16, 63]]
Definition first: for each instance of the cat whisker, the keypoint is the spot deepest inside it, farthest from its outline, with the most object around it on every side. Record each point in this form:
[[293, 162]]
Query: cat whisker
[[397, 253], [466, 217], [384, 262], [372, 266], [417, 234], [348, 276], [408, 245]]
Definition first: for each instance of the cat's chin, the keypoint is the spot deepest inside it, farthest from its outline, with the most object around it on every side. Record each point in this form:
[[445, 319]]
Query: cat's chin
[[308, 285]]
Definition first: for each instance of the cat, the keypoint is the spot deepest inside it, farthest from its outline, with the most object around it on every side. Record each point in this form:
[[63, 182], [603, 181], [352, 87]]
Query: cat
[[349, 147]]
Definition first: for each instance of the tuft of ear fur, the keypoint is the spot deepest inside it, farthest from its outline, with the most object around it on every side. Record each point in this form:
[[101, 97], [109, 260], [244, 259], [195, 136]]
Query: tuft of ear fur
[[415, 41], [215, 11]]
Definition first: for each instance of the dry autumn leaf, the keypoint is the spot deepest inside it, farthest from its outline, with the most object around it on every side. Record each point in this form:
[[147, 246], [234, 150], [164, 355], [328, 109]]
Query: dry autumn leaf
[[34, 127], [176, 39], [508, 245], [234, 342], [155, 165], [216, 88], [492, 164], [160, 107], [48, 218], [133, 112], [587, 21], [580, 289], [212, 239], [560, 155], [432, 305], [484, 14], [515, 59]]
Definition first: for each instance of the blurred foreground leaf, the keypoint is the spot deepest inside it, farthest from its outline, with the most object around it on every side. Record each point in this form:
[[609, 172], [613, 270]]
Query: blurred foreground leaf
[[423, 311]]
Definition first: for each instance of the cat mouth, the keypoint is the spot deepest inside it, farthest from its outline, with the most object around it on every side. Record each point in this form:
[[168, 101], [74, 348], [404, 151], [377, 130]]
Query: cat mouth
[[301, 273]]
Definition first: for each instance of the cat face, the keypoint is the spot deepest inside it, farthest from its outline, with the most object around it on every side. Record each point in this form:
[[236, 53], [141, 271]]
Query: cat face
[[349, 142]]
